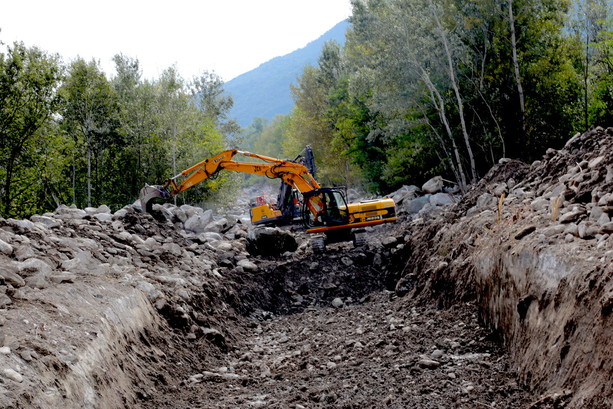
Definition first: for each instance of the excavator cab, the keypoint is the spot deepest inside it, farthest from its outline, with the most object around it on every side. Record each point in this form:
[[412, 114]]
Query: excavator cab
[[325, 207]]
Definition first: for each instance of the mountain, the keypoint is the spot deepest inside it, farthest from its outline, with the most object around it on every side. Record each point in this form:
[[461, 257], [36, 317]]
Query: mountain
[[265, 91]]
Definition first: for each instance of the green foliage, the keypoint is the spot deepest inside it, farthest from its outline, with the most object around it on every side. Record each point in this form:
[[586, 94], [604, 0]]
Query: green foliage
[[270, 141], [426, 87], [591, 22], [249, 136], [90, 115], [84, 139], [413, 158], [209, 96], [421, 87], [28, 83]]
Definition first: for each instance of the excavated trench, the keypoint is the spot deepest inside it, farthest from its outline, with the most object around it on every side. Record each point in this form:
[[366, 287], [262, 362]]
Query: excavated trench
[[504, 300], [332, 333]]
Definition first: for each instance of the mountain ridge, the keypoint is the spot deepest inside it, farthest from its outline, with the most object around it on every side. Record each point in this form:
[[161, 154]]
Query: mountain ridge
[[264, 92]]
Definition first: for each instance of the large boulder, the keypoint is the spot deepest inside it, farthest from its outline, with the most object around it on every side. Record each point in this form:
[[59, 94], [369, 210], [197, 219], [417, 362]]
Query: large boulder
[[415, 205], [8, 274], [434, 185], [217, 226], [5, 248], [270, 241], [69, 212], [191, 210], [441, 199], [198, 222], [49, 222], [405, 193]]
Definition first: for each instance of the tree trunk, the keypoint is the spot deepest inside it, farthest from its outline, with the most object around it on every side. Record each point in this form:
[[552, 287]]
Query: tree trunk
[[74, 179], [586, 74], [8, 180], [489, 108], [520, 89], [456, 90], [174, 156], [89, 174], [452, 164], [439, 105]]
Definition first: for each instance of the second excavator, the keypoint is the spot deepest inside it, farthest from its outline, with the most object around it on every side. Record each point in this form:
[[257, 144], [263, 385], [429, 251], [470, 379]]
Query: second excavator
[[325, 211], [286, 209]]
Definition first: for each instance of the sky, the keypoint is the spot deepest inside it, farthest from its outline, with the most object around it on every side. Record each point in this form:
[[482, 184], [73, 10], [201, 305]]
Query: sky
[[229, 37]]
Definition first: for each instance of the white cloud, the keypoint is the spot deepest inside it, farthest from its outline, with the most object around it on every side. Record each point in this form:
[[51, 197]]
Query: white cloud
[[227, 36]]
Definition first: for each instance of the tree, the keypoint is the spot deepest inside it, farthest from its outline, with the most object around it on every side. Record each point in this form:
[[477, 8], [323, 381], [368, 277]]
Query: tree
[[190, 127], [143, 158], [409, 60], [249, 136], [478, 74], [270, 141], [516, 72], [171, 102], [28, 99], [451, 71], [90, 113], [209, 96], [591, 23]]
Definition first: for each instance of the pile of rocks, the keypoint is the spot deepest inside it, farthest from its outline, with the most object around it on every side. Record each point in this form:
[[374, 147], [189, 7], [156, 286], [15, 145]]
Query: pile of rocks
[[79, 285], [81, 288], [429, 201], [181, 254], [567, 195], [533, 245]]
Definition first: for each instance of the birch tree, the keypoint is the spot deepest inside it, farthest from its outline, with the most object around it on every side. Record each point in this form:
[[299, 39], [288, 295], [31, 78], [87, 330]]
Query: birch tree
[[415, 58], [591, 23], [516, 72], [207, 90], [451, 67]]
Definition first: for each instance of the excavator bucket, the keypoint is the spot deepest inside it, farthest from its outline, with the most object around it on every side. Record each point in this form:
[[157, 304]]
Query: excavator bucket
[[151, 192]]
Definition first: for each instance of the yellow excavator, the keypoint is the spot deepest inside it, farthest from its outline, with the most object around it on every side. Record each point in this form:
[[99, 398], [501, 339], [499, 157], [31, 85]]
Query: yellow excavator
[[286, 209], [325, 211]]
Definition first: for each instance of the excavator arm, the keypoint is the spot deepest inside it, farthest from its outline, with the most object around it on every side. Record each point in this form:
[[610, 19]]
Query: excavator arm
[[294, 174]]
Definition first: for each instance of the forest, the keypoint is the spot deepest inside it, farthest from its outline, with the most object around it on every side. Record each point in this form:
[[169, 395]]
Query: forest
[[421, 87]]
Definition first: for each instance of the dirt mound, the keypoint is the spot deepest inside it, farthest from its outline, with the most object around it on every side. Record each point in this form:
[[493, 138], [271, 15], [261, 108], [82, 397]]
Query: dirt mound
[[532, 244], [80, 288]]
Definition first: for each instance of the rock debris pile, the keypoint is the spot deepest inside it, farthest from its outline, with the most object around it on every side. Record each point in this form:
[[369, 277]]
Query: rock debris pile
[[66, 273], [78, 285], [534, 245]]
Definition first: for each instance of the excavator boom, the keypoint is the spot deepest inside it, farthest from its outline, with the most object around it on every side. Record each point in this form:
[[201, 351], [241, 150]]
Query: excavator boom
[[294, 174]]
